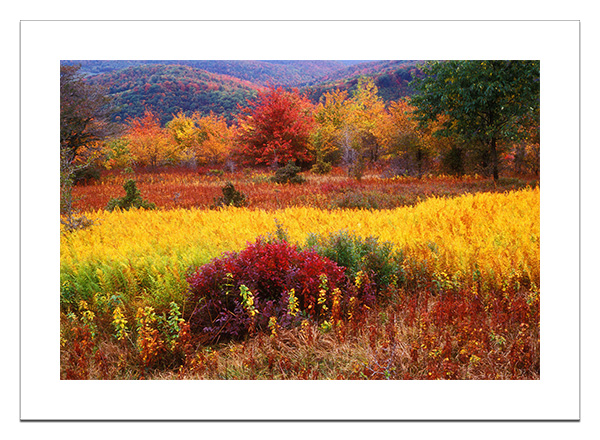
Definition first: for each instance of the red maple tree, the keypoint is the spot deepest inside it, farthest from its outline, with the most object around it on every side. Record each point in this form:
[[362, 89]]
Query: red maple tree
[[276, 128]]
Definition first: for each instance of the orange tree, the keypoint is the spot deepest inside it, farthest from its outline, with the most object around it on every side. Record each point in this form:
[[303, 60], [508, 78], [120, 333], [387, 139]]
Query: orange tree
[[369, 118], [407, 142], [275, 128], [208, 139], [150, 143]]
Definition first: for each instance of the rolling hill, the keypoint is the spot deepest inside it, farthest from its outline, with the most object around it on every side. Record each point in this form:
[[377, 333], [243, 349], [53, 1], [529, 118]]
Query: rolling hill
[[272, 72], [221, 87], [169, 89], [392, 79]]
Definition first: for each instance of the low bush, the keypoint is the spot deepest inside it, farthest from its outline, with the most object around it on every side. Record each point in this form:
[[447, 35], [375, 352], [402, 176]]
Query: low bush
[[368, 257], [132, 199], [321, 167], [231, 197], [357, 200], [240, 292], [288, 174], [86, 175], [216, 173]]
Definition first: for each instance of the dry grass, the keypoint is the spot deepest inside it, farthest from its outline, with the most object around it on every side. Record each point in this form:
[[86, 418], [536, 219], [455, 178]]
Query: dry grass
[[414, 336], [185, 188]]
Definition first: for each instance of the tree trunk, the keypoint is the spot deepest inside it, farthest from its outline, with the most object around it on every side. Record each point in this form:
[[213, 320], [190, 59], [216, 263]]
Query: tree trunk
[[419, 162], [494, 154]]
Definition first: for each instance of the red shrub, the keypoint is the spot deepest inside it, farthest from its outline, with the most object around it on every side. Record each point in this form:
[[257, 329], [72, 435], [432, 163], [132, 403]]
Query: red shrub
[[270, 270]]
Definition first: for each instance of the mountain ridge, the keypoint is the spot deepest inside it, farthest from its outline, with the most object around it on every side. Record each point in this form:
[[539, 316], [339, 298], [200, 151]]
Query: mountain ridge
[[223, 87]]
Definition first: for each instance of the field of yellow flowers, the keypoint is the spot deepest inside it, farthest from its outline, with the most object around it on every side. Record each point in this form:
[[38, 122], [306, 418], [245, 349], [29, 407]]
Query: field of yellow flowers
[[132, 266], [147, 253]]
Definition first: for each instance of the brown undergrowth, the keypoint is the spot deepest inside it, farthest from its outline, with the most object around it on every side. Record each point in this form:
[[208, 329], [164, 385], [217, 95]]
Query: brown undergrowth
[[413, 336]]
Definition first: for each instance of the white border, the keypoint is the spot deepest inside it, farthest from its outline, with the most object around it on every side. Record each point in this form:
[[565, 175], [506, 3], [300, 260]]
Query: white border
[[44, 396]]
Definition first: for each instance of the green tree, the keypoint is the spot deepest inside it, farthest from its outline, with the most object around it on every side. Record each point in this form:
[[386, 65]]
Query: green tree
[[484, 102], [132, 199]]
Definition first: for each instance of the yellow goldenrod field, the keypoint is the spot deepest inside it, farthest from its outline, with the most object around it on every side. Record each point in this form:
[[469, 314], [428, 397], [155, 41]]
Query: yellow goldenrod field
[[146, 254]]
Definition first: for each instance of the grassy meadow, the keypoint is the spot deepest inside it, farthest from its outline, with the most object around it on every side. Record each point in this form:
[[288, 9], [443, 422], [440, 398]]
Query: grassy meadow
[[389, 278]]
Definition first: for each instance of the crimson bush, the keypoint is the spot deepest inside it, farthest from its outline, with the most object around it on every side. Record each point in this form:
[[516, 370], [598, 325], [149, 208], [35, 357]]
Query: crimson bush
[[270, 269]]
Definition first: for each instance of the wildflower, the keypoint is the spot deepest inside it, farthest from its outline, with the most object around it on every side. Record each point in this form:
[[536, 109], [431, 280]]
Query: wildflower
[[248, 301], [293, 303], [352, 308], [305, 324], [119, 323], [359, 279], [325, 326], [273, 326], [474, 360], [321, 299], [336, 307]]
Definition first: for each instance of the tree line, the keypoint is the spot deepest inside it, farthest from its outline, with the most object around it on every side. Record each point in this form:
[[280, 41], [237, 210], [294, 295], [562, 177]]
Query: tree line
[[466, 116]]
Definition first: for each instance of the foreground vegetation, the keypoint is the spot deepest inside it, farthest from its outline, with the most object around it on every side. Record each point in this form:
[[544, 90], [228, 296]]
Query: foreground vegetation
[[447, 288]]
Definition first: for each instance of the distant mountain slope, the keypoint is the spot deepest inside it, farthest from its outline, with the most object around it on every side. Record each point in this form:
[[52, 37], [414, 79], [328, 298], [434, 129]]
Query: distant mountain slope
[[368, 68], [168, 89], [275, 72], [269, 72], [221, 86], [392, 79]]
